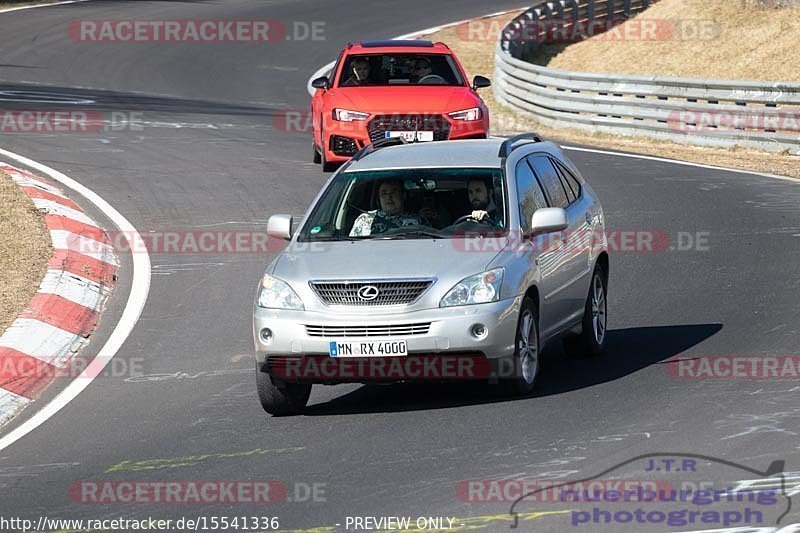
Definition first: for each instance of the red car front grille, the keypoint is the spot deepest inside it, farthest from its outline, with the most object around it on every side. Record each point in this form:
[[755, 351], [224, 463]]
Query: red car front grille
[[380, 124]]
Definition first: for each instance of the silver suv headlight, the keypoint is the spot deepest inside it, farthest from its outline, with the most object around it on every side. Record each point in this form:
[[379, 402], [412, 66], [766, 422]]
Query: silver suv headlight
[[478, 289], [277, 294]]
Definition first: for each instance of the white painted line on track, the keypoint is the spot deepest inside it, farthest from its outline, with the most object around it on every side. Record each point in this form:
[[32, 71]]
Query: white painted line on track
[[677, 162], [34, 6], [666, 160], [140, 287]]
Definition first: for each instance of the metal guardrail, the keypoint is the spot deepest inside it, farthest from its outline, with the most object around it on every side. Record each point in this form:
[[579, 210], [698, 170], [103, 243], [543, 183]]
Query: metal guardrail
[[723, 113]]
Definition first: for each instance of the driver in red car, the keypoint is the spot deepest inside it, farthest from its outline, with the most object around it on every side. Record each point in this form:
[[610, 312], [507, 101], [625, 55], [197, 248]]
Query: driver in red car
[[359, 72], [420, 68]]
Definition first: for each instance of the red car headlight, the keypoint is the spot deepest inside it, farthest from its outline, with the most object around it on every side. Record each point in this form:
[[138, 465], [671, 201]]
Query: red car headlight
[[467, 115], [345, 115]]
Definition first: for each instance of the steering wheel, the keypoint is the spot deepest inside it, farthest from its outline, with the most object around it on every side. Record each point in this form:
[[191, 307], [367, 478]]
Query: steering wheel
[[431, 78], [486, 220]]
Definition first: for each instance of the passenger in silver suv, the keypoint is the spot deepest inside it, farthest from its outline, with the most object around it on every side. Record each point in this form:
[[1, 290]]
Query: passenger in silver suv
[[472, 297]]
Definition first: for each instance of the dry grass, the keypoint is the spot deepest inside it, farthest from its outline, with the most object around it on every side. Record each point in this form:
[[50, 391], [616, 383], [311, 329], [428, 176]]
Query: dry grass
[[737, 40], [478, 58], [25, 249]]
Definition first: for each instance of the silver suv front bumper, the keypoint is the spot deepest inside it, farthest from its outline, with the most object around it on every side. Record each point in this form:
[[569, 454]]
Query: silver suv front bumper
[[450, 330]]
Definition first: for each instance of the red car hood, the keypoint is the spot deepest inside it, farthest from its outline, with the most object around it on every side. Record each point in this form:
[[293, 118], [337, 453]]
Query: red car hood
[[404, 99]]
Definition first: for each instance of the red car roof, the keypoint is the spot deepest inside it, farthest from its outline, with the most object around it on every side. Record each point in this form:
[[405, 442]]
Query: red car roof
[[376, 47]]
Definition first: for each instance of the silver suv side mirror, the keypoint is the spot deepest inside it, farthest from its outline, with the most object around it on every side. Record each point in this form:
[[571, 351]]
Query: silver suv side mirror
[[548, 220], [280, 227]]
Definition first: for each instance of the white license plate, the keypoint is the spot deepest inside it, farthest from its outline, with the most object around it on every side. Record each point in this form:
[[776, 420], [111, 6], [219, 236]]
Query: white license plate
[[368, 348], [411, 136]]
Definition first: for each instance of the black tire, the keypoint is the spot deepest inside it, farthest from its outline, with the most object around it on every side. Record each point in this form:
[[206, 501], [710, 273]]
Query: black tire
[[283, 399], [590, 342], [326, 166], [317, 157], [522, 382]]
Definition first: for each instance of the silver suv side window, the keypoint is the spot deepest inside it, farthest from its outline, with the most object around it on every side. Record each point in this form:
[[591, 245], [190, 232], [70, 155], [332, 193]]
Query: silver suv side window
[[568, 179], [529, 193], [550, 181]]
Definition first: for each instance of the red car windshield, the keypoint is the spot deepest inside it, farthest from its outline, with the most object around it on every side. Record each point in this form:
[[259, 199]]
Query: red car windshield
[[399, 69]]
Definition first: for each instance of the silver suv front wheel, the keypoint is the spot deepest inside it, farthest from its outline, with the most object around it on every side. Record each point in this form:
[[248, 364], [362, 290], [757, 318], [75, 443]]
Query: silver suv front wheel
[[525, 363], [592, 339]]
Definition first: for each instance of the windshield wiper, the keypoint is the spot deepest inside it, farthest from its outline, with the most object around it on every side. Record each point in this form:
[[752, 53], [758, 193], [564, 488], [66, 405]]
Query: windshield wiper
[[414, 234], [334, 238]]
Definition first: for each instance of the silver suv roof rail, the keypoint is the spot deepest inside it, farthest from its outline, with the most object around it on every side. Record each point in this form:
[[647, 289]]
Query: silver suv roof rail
[[509, 144]]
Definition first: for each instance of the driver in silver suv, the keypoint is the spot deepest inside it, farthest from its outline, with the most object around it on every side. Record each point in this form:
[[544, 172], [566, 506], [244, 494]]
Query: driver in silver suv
[[481, 198], [477, 297]]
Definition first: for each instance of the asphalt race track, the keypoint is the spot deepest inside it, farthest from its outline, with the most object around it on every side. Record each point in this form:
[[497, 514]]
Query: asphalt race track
[[208, 156]]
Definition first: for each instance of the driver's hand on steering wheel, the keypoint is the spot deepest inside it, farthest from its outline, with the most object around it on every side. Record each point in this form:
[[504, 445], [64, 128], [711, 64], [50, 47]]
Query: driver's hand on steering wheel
[[479, 214]]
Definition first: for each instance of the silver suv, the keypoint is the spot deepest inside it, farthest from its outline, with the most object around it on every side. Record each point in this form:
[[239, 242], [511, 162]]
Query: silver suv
[[451, 260]]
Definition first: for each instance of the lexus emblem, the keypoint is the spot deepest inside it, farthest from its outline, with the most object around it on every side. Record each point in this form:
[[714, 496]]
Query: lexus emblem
[[368, 293]]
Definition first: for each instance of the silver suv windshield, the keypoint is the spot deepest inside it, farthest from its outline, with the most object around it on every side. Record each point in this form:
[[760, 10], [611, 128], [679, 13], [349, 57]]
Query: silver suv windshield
[[436, 203]]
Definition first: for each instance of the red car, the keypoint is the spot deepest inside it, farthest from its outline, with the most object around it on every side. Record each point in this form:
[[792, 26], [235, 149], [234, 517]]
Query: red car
[[380, 89]]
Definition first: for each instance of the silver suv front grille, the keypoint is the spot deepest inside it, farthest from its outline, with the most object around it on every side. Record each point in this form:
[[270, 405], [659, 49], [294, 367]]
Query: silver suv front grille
[[368, 292], [392, 330]]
